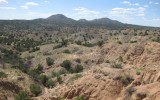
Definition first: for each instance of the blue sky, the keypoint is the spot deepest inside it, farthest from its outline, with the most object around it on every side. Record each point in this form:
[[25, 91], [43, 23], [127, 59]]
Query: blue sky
[[141, 12]]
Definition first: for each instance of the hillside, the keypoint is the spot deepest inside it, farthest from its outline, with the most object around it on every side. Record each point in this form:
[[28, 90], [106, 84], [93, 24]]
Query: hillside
[[59, 58]]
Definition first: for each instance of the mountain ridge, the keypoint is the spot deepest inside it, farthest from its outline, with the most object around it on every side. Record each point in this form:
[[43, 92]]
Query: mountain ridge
[[59, 20]]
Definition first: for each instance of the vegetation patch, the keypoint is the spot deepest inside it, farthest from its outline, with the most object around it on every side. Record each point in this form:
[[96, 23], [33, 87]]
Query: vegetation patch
[[3, 75]]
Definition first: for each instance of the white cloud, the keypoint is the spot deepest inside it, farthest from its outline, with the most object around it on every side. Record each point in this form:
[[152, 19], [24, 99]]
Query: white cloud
[[155, 3], [31, 4], [8, 8], [84, 13], [24, 7], [140, 11], [28, 4], [130, 4], [3, 1]]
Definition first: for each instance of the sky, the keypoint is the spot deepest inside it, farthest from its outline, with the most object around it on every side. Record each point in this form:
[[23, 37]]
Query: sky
[[140, 12]]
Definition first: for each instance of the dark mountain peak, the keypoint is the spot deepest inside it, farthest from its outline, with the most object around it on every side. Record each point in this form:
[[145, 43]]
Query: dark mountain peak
[[83, 20], [57, 17], [102, 19]]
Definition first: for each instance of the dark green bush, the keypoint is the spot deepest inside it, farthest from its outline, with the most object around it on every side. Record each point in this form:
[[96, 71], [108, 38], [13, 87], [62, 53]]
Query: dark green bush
[[78, 42], [66, 64], [75, 77], [78, 68], [79, 98], [59, 79], [119, 42], [100, 43], [60, 72], [22, 96], [78, 60], [67, 51], [43, 79], [35, 89], [87, 44], [40, 67], [49, 61], [117, 65], [49, 83], [3, 75]]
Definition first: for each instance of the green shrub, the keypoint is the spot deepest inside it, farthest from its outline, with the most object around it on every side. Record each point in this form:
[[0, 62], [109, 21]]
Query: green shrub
[[43, 79], [107, 61], [49, 83], [78, 68], [120, 59], [75, 77], [79, 98], [49, 61], [87, 44], [78, 42], [157, 40], [117, 65], [40, 67], [133, 41], [34, 73], [78, 60], [22, 96], [35, 89], [125, 79], [60, 98], [34, 49], [66, 64], [138, 71], [59, 79], [67, 51], [119, 42], [100, 43], [57, 46], [64, 42], [3, 75], [60, 72]]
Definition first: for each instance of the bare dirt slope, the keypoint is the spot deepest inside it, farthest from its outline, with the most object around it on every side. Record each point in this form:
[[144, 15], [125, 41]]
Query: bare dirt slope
[[138, 78]]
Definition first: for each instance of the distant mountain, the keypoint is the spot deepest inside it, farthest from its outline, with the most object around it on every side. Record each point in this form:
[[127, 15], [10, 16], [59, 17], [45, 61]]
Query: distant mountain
[[82, 20], [55, 22]]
